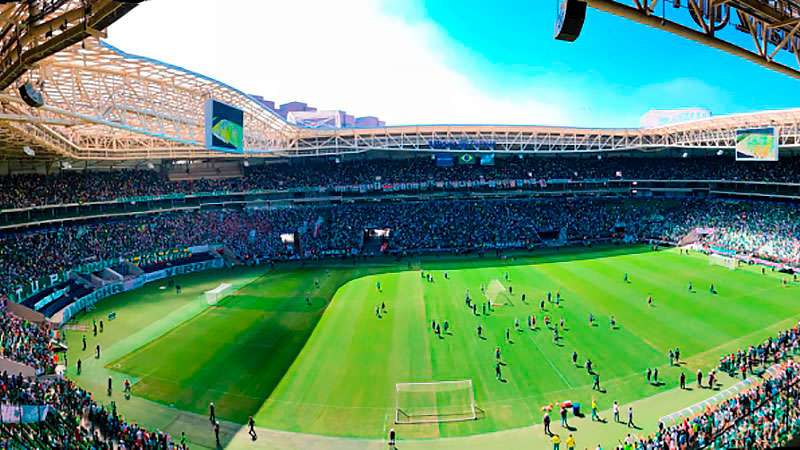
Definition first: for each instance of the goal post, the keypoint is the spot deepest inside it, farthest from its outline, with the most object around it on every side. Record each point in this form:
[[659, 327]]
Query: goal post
[[215, 295], [435, 402], [724, 261], [497, 294]]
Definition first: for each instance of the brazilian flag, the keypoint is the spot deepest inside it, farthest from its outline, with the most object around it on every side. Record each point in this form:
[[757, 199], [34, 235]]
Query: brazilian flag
[[466, 158]]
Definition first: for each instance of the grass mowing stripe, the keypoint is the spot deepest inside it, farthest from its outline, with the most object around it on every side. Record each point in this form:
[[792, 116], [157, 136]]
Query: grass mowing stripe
[[340, 378], [589, 285], [555, 369]]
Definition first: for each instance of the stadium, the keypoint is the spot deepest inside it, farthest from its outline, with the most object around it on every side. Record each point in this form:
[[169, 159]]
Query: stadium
[[187, 265]]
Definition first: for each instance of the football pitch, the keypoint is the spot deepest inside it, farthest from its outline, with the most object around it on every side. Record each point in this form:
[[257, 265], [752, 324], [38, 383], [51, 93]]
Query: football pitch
[[331, 367]]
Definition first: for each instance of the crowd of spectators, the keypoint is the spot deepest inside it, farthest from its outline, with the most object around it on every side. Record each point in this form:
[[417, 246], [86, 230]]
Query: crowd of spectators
[[32, 254], [70, 187], [757, 418], [771, 350], [460, 225], [763, 229], [764, 416], [766, 230], [73, 419], [26, 342]]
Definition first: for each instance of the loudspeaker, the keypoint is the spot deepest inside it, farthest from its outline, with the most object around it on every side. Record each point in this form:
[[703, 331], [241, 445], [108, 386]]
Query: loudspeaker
[[569, 20], [31, 95]]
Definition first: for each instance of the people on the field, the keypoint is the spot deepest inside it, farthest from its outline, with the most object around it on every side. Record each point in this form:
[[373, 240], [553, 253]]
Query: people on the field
[[251, 424], [546, 423]]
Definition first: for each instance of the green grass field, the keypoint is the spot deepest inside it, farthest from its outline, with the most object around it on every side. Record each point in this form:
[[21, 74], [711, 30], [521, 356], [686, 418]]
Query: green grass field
[[331, 368]]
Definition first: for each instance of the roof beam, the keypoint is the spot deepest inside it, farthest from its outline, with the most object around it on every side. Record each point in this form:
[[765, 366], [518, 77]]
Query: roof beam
[[706, 38]]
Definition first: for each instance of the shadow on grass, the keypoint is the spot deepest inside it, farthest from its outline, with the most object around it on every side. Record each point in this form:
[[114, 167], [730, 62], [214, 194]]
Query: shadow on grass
[[524, 258]]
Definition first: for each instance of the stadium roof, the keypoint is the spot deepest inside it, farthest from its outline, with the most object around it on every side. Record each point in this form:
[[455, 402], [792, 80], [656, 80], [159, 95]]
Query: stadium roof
[[104, 104], [32, 30]]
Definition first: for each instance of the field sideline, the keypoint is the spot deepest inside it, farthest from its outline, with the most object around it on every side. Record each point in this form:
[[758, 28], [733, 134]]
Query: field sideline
[[264, 352]]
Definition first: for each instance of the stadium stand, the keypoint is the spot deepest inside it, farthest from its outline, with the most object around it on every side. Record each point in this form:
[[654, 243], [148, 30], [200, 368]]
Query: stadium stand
[[763, 416], [761, 229], [72, 419], [71, 187], [434, 222]]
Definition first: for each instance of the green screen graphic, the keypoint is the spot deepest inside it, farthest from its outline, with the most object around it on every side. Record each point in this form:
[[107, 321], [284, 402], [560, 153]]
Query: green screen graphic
[[224, 127], [759, 144]]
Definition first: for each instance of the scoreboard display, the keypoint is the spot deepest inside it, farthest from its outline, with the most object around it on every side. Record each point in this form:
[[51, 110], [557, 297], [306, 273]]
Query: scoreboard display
[[757, 144], [224, 127]]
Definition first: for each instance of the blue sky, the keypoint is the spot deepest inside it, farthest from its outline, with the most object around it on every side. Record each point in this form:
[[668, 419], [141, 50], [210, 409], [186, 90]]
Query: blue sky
[[436, 61], [616, 66]]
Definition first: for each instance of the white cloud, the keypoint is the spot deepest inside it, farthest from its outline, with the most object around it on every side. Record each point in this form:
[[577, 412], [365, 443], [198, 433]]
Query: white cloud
[[349, 54]]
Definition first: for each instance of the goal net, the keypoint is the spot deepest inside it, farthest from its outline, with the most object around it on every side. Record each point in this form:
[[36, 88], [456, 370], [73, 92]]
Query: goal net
[[435, 402], [724, 261], [215, 295], [497, 293]]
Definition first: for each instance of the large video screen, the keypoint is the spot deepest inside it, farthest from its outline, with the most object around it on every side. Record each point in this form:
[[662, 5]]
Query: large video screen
[[224, 127], [757, 144]]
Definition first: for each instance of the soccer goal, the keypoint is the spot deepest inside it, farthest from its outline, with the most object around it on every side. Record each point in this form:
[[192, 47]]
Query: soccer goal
[[215, 295], [498, 294], [725, 261], [435, 402]]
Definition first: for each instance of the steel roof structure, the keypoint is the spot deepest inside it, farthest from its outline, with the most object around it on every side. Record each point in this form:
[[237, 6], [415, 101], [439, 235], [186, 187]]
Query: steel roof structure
[[102, 104], [35, 29], [766, 32]]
